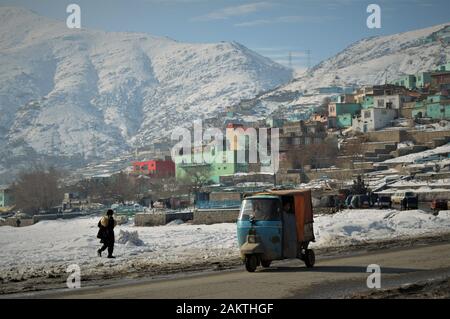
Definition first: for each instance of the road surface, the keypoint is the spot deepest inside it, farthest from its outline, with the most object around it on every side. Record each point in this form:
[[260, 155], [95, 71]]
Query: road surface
[[331, 277]]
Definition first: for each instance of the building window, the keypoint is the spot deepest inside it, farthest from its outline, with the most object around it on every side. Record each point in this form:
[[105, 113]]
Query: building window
[[380, 103]]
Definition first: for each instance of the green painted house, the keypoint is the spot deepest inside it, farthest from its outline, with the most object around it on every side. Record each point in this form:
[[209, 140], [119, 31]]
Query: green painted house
[[435, 107], [407, 81], [438, 111], [419, 112], [423, 79], [220, 166], [6, 199], [367, 102], [444, 67], [343, 112], [344, 120]]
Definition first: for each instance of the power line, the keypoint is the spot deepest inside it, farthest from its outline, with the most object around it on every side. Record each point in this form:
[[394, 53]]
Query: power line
[[308, 58], [290, 59]]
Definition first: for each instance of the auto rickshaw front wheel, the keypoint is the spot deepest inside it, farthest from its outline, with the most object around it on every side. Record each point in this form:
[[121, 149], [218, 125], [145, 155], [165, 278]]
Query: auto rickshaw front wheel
[[251, 263], [309, 258]]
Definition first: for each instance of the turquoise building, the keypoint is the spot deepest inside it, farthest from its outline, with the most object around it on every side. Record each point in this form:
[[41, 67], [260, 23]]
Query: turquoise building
[[435, 107], [444, 67], [407, 81], [223, 164], [367, 102], [6, 198], [343, 113], [423, 79], [344, 120]]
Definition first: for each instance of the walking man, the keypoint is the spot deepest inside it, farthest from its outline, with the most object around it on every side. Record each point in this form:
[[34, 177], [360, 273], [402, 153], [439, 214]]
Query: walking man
[[106, 233]]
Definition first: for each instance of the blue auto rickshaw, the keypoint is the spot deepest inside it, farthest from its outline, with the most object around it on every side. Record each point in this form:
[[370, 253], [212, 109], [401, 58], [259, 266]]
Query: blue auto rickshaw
[[276, 225]]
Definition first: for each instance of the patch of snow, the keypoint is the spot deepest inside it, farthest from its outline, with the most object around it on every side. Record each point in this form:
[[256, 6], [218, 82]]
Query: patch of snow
[[176, 222], [130, 238], [410, 158]]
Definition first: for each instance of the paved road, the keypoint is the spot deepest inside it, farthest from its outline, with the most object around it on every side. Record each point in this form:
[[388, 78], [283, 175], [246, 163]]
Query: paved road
[[332, 277]]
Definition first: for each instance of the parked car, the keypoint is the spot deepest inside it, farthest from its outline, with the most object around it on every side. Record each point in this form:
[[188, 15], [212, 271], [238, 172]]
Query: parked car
[[411, 202], [383, 202], [348, 200], [439, 204], [400, 198], [360, 201]]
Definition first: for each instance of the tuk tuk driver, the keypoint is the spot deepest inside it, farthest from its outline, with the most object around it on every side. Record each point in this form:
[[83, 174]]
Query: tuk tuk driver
[[256, 209], [287, 207]]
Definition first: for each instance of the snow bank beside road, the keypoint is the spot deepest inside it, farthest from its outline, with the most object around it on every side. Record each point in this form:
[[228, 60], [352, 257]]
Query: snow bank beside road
[[356, 226], [64, 242]]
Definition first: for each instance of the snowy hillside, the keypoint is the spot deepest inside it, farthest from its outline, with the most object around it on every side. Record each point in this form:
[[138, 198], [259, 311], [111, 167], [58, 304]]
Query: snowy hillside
[[373, 60], [85, 94], [366, 62]]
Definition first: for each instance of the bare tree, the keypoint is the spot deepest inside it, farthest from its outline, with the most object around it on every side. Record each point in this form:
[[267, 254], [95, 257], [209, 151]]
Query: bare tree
[[196, 177], [121, 187], [37, 190], [354, 148], [165, 187]]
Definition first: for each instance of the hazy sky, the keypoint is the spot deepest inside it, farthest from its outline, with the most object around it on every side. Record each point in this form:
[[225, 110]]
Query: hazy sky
[[272, 28]]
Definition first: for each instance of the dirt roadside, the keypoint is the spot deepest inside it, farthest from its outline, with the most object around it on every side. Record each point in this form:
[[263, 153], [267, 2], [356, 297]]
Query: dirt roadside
[[430, 289], [56, 278]]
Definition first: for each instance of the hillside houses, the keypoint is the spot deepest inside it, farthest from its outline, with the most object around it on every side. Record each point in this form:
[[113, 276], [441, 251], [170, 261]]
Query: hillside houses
[[370, 108]]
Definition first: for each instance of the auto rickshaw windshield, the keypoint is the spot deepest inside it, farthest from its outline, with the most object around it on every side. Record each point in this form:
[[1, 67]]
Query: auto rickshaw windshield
[[261, 209]]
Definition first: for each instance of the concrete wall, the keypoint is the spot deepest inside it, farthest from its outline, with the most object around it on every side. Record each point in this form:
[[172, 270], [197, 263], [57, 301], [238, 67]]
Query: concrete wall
[[373, 119], [157, 219], [215, 216], [38, 218]]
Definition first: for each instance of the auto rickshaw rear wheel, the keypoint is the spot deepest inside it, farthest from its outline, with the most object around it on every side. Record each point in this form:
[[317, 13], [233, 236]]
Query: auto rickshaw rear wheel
[[266, 263], [251, 263], [310, 258]]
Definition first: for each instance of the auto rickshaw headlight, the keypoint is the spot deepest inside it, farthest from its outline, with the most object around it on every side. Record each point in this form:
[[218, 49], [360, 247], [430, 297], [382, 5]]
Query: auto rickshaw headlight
[[252, 239]]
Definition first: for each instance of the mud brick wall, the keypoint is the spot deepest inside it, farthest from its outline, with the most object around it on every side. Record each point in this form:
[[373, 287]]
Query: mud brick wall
[[387, 136], [224, 196], [12, 222], [157, 219], [422, 137], [215, 216]]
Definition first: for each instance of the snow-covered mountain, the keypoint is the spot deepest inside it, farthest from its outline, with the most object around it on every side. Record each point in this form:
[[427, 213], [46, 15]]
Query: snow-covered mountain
[[82, 94], [366, 62]]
